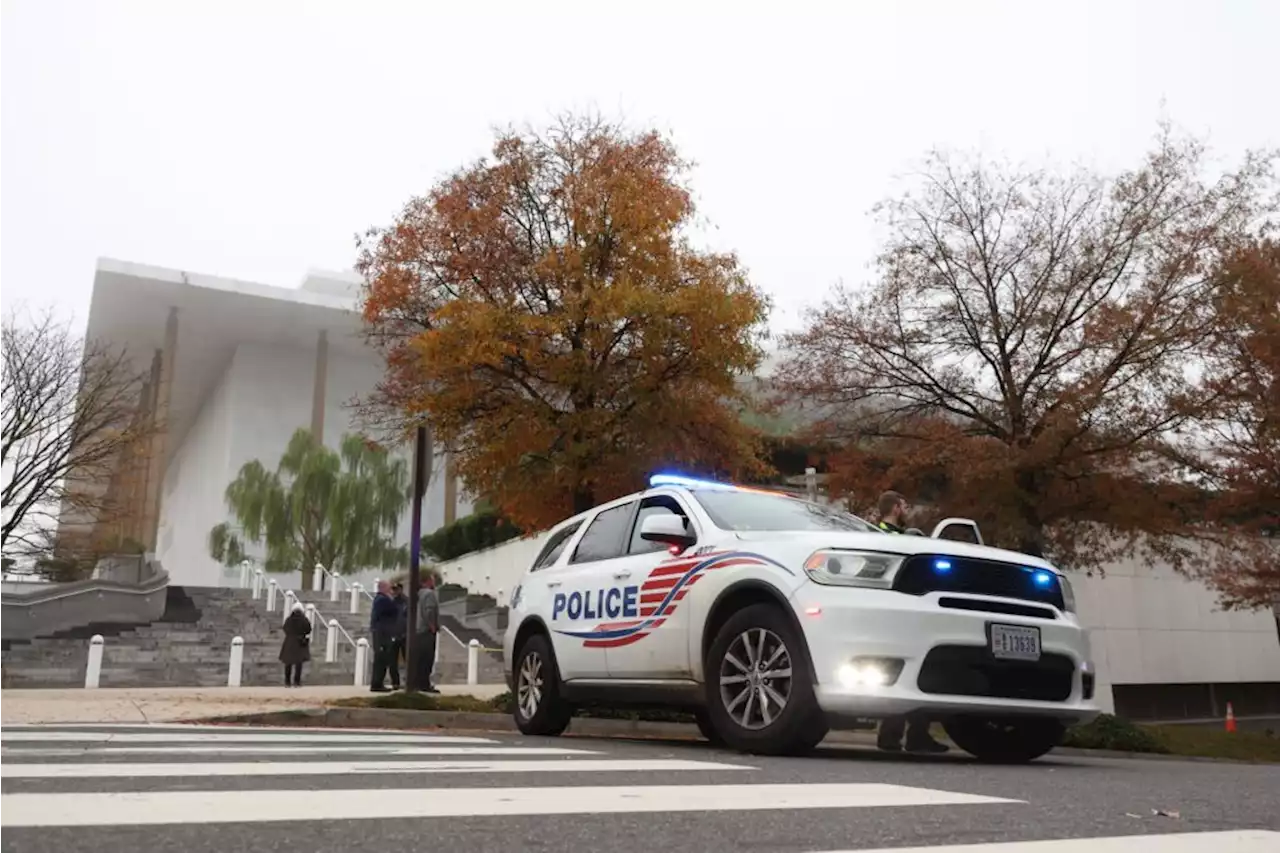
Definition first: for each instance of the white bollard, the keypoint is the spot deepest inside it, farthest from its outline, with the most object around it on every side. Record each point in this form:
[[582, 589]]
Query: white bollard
[[93, 672], [245, 574], [362, 656], [473, 662], [331, 642], [237, 662], [333, 588], [317, 578], [310, 610], [257, 584], [355, 598], [271, 596]]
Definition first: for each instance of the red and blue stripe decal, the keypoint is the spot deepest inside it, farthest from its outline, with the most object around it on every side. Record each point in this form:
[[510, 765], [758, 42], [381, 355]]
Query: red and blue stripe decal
[[665, 586]]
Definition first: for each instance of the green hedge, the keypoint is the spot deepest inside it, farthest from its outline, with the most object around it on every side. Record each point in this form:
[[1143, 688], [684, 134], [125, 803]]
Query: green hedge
[[483, 528]]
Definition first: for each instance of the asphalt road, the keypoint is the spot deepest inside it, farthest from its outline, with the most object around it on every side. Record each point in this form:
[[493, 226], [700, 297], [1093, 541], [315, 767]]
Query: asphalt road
[[103, 789]]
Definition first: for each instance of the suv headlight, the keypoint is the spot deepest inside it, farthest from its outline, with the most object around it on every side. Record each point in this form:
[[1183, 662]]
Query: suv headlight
[[834, 567], [1068, 594]]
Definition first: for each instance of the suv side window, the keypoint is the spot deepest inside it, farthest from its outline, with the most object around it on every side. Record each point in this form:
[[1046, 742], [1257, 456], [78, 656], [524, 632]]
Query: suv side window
[[555, 546], [606, 536], [656, 505]]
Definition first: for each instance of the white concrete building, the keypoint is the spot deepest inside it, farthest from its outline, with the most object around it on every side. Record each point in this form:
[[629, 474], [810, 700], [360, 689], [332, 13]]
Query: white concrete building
[[239, 367]]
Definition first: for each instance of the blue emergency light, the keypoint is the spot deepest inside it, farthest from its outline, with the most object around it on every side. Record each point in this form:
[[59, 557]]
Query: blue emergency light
[[686, 482]]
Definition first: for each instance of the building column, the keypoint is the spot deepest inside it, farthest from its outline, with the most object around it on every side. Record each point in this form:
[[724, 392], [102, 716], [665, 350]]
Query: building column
[[318, 389], [450, 489], [158, 462]]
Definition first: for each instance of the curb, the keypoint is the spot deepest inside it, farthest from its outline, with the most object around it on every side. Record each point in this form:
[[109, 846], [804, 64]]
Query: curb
[[402, 719]]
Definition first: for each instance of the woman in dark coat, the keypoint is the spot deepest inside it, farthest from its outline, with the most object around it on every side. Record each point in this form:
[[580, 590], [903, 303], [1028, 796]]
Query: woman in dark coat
[[296, 648]]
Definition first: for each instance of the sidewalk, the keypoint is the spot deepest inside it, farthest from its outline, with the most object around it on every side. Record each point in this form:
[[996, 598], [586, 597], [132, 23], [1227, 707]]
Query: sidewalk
[[161, 704]]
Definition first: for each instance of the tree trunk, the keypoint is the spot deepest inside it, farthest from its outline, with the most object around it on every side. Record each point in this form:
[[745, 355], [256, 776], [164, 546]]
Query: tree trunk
[[583, 499]]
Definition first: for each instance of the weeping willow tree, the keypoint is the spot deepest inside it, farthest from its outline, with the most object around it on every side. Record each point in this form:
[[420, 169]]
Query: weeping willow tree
[[337, 509]]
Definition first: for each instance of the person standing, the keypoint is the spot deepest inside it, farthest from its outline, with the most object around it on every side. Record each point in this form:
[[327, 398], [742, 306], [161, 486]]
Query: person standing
[[382, 630], [295, 649], [428, 629], [893, 509], [401, 630]]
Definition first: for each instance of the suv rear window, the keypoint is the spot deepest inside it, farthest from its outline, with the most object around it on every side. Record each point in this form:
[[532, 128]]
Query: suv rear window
[[555, 546]]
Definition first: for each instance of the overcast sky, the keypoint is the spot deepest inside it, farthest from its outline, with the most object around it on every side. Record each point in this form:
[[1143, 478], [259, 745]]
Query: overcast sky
[[253, 140]]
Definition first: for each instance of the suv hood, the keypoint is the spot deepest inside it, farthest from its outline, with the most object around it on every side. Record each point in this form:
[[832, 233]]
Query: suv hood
[[894, 543]]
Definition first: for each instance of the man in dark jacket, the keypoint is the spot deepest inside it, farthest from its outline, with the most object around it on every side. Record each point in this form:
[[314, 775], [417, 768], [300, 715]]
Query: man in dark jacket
[[401, 629], [428, 628], [382, 631], [893, 519]]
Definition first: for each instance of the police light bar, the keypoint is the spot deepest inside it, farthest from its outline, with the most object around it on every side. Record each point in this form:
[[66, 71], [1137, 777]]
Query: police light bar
[[687, 482]]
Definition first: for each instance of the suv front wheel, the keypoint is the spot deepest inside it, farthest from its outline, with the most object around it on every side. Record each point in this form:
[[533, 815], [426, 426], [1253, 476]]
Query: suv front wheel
[[539, 708], [759, 692]]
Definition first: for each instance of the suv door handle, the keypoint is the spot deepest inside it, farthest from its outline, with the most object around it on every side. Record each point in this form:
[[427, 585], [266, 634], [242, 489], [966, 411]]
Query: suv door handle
[[625, 573], [553, 584]]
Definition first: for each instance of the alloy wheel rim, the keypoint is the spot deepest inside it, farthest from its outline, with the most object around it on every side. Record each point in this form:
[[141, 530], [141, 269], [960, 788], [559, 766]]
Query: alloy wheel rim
[[755, 678], [529, 685]]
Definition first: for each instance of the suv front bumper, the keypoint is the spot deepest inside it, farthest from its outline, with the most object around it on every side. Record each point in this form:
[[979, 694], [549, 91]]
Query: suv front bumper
[[843, 625]]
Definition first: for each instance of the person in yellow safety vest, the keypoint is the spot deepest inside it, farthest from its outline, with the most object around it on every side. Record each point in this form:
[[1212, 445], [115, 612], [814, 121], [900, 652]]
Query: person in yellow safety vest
[[893, 519]]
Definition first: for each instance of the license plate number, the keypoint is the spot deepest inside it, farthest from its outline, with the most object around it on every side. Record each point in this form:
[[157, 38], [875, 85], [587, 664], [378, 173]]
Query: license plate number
[[1015, 642]]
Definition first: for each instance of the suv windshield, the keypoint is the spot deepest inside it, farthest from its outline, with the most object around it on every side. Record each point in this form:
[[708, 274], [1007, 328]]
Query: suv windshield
[[742, 511]]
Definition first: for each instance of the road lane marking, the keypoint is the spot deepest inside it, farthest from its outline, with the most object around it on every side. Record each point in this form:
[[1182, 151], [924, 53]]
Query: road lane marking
[[375, 749], [229, 737], [335, 768], [1242, 841], [192, 807]]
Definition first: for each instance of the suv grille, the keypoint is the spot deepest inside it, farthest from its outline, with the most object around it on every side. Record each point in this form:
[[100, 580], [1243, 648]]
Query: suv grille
[[972, 671], [920, 575]]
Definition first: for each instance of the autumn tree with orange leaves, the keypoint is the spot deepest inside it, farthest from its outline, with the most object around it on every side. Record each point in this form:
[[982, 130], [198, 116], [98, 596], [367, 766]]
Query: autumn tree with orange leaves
[[546, 313], [1239, 443], [1028, 353]]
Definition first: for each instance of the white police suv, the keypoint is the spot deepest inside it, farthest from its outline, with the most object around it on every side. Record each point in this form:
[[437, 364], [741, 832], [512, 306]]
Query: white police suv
[[774, 619]]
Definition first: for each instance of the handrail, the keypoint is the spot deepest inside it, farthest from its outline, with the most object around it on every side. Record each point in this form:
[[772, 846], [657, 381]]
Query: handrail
[[453, 636], [342, 631]]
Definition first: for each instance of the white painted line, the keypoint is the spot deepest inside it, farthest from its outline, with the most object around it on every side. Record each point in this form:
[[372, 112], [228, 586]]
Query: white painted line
[[196, 727], [191, 807], [1242, 841], [372, 749], [229, 737], [335, 768]]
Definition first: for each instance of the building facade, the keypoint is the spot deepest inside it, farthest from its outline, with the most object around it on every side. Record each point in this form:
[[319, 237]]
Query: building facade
[[235, 368]]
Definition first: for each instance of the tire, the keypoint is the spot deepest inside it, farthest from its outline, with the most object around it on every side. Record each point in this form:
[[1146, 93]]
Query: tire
[[539, 708], [733, 711], [706, 728], [1005, 741]]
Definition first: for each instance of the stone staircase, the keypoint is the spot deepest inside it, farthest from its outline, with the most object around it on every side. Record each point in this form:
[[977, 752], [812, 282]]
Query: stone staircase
[[190, 647]]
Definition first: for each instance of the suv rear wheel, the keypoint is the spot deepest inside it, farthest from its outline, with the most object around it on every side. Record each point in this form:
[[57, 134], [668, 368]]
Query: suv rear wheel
[[1009, 741], [539, 708], [759, 692]]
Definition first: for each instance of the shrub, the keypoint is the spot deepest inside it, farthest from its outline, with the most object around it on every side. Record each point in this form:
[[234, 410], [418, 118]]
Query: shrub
[[1115, 733]]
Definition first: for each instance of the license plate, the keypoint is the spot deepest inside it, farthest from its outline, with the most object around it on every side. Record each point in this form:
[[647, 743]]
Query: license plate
[[1015, 642]]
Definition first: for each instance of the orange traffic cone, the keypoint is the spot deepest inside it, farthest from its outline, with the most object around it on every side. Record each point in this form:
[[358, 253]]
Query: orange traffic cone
[[1231, 718]]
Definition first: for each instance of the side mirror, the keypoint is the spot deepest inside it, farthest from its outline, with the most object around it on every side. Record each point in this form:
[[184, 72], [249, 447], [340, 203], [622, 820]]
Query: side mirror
[[668, 529], [961, 529], [914, 531]]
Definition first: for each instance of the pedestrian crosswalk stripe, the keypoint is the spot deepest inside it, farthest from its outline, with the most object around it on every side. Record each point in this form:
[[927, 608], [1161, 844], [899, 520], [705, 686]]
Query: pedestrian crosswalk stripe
[[335, 768], [191, 807], [250, 737], [390, 749], [1242, 841]]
